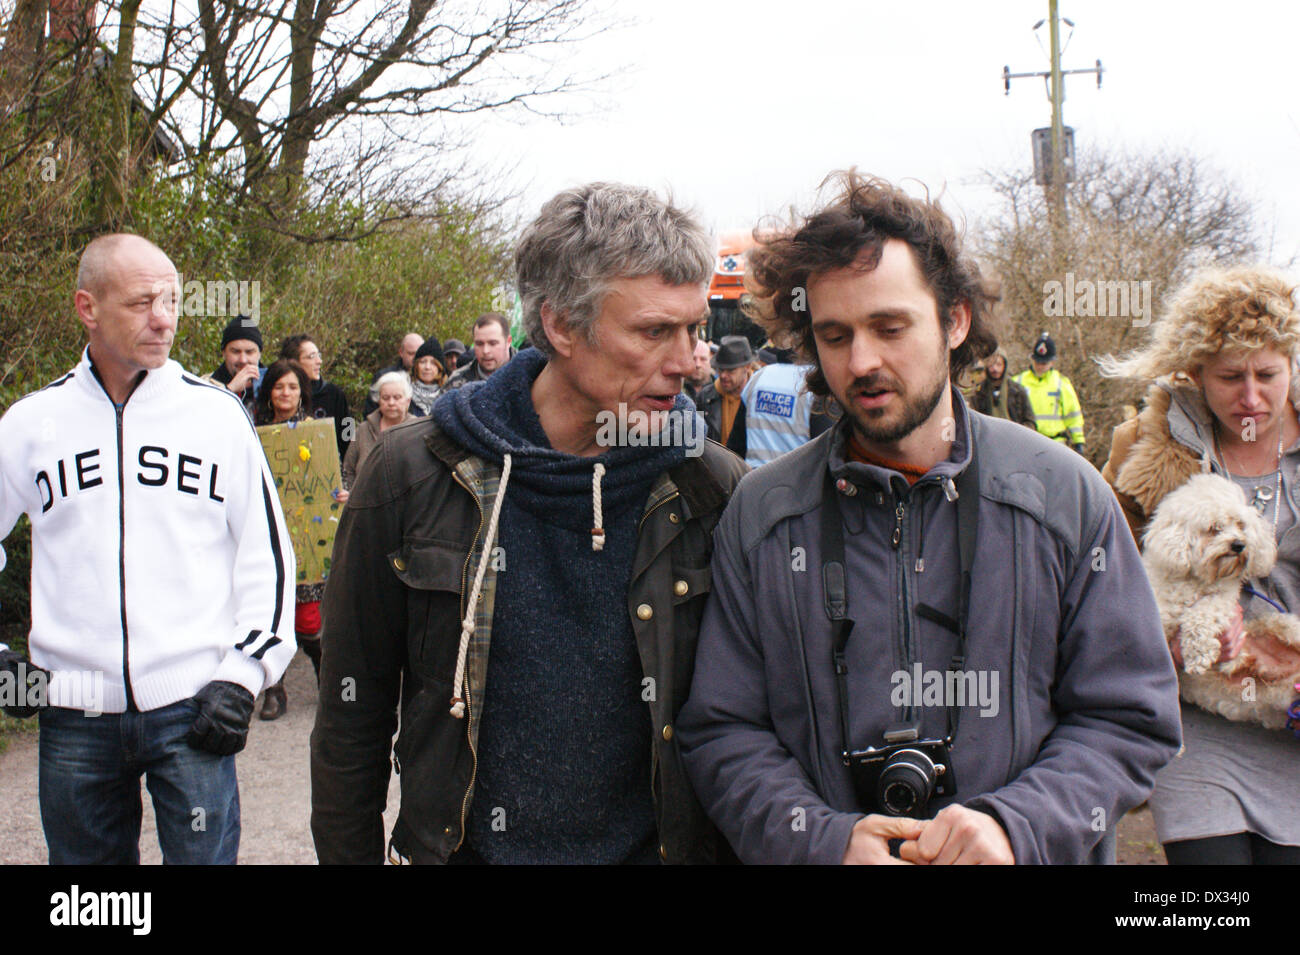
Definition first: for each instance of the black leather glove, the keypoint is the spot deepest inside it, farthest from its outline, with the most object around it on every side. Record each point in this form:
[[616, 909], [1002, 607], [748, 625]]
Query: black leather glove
[[222, 724], [24, 684]]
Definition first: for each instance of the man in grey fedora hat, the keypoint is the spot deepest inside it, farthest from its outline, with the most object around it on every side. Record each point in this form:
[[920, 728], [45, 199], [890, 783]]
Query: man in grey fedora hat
[[719, 402], [453, 350]]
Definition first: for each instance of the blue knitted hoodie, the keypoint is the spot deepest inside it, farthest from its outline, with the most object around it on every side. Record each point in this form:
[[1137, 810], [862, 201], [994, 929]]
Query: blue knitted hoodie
[[564, 744]]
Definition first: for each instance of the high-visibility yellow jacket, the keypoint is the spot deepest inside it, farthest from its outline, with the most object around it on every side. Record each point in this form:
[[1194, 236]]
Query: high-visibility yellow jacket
[[1056, 407]]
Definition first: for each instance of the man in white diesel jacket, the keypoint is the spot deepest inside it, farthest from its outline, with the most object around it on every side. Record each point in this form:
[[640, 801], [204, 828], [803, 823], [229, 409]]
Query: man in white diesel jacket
[[162, 577]]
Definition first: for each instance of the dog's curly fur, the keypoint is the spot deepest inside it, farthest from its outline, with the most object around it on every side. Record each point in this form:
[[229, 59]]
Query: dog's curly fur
[[1202, 543]]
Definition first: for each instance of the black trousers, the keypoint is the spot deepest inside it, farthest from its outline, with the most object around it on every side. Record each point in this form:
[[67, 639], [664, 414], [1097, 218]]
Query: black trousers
[[1240, 848]]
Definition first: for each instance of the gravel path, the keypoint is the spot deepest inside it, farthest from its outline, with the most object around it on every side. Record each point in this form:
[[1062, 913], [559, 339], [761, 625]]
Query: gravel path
[[274, 789]]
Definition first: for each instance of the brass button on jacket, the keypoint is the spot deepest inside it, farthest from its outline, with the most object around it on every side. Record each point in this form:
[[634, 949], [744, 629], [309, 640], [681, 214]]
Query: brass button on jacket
[[645, 612]]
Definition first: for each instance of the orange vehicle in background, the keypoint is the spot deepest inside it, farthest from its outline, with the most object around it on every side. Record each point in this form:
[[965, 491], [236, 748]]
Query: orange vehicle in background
[[726, 289]]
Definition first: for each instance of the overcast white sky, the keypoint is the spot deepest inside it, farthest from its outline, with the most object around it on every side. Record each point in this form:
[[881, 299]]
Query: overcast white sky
[[742, 108]]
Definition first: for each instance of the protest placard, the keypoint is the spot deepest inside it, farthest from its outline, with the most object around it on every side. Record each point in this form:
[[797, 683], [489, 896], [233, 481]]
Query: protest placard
[[304, 461]]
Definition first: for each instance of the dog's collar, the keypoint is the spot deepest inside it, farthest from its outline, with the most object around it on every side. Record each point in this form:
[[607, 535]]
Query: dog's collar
[[1247, 588]]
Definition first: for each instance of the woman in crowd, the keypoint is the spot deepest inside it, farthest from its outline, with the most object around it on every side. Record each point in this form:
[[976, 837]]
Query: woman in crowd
[[394, 389], [285, 396], [327, 399], [427, 377], [1224, 398]]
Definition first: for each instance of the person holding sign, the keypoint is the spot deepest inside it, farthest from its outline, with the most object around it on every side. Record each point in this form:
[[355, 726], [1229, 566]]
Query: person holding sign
[[327, 398], [286, 396]]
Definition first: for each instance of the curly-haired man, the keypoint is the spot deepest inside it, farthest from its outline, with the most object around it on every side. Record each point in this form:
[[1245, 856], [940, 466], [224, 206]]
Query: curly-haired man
[[928, 627]]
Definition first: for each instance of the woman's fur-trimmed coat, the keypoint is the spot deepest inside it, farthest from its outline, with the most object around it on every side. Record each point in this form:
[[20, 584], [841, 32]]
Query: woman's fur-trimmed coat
[[1147, 462]]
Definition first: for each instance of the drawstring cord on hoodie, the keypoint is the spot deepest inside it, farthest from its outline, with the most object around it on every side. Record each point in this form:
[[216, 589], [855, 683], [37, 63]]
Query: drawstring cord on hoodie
[[467, 625], [597, 530]]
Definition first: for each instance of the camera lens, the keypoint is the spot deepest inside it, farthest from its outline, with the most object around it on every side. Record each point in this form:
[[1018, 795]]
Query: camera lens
[[906, 783]]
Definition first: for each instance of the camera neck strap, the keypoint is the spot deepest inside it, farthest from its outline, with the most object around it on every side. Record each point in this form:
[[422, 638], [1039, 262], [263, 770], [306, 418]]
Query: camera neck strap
[[835, 589]]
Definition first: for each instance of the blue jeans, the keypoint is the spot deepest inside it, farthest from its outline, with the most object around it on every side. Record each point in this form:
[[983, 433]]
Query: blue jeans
[[90, 770]]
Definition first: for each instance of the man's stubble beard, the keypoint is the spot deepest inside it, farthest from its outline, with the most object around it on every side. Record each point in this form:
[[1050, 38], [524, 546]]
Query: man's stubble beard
[[740, 386], [915, 411]]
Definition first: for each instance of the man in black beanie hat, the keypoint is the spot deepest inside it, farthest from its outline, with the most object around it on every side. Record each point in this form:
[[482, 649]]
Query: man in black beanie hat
[[241, 369]]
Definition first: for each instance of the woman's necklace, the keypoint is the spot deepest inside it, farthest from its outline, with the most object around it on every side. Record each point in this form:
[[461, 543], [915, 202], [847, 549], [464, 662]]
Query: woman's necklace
[[1263, 493]]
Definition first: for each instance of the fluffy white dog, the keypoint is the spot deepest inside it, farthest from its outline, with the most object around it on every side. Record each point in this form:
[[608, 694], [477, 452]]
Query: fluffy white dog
[[1202, 544]]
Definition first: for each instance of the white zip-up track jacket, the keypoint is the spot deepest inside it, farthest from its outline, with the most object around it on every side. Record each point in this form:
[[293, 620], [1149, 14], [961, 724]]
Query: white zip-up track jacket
[[160, 555]]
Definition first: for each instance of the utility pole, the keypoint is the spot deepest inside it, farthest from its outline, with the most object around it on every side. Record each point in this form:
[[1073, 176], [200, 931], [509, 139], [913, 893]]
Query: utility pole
[[1053, 173], [1057, 185]]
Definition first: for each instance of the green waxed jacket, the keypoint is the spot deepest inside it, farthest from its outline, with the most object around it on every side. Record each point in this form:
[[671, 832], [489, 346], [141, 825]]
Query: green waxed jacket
[[404, 559]]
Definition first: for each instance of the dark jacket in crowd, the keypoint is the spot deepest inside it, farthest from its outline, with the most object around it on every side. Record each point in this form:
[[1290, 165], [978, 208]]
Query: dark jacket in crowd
[[363, 442], [222, 376], [469, 371], [328, 401], [709, 403], [1018, 408]]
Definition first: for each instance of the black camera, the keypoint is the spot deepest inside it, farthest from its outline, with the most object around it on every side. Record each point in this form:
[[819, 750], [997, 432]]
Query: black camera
[[901, 777]]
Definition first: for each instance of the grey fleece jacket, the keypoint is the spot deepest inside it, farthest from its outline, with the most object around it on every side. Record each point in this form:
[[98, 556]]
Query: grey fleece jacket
[[1084, 709]]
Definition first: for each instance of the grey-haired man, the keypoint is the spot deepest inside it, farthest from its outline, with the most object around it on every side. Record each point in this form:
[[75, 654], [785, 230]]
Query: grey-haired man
[[511, 518]]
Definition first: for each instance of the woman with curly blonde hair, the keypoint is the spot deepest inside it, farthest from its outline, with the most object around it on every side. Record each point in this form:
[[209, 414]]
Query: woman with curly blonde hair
[[1223, 399]]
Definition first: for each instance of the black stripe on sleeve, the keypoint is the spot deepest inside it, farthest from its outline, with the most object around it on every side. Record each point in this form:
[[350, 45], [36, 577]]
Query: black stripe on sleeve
[[266, 646], [277, 619], [54, 384], [199, 383]]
